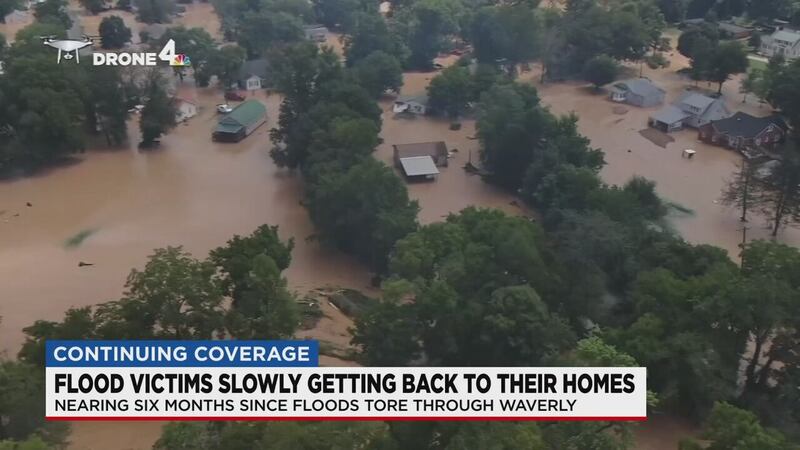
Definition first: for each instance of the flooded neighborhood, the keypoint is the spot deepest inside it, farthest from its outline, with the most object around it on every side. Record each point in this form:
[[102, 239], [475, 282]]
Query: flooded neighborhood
[[70, 233]]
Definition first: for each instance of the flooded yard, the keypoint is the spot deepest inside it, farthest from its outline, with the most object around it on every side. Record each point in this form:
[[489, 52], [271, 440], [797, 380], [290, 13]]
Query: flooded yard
[[692, 183]]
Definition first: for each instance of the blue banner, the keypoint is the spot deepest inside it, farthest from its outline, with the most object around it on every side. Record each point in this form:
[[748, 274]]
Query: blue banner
[[143, 353]]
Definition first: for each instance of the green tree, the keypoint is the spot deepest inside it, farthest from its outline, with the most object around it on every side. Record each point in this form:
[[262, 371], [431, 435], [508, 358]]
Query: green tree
[[379, 72], [7, 7], [729, 427], [778, 192], [155, 11], [40, 101], [107, 106], [158, 115], [226, 62], [22, 408], [511, 122], [363, 211], [372, 34], [729, 58], [54, 12], [337, 13], [507, 33], [94, 6], [450, 92], [697, 39], [600, 70], [262, 30], [425, 27], [113, 32]]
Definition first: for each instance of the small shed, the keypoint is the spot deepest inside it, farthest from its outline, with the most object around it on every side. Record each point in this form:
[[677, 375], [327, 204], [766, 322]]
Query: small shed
[[412, 104], [436, 150], [241, 122], [419, 167]]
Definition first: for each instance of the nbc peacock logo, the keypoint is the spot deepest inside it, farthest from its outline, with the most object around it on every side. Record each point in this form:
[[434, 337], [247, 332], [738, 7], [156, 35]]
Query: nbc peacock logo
[[180, 60]]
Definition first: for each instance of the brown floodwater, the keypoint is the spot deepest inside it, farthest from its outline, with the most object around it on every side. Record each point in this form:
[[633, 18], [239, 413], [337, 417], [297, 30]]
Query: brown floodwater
[[693, 183], [197, 193]]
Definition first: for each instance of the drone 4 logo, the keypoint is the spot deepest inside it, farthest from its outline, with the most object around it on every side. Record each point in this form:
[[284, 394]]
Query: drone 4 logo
[[72, 48]]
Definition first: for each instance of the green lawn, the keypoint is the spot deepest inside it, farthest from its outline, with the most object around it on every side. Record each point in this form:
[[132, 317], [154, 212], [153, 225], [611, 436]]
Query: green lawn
[[757, 64]]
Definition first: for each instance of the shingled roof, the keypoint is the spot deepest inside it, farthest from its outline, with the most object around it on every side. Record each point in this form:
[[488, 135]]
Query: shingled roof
[[746, 126]]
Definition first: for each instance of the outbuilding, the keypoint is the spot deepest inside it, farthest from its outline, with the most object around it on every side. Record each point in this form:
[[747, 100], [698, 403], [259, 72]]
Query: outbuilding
[[420, 160], [241, 122]]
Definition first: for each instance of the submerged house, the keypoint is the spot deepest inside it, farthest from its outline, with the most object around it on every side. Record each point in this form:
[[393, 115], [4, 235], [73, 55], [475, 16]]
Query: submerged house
[[241, 122], [253, 75], [742, 131], [690, 110], [638, 92], [412, 104], [420, 160]]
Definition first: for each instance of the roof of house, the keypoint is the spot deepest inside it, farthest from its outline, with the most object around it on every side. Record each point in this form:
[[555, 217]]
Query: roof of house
[[787, 35], [422, 99], [254, 67], [435, 149], [670, 114], [695, 100], [418, 166], [244, 115], [732, 28], [638, 86], [744, 125]]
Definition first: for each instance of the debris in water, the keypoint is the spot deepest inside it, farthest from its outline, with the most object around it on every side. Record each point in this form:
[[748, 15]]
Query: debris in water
[[78, 239], [28, 204], [84, 264]]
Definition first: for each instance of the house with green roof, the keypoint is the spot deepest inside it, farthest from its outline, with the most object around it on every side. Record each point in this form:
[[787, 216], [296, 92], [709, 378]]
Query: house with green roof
[[241, 122]]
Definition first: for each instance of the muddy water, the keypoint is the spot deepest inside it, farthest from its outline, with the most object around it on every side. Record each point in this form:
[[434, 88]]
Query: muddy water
[[695, 183], [454, 188], [198, 14], [14, 23]]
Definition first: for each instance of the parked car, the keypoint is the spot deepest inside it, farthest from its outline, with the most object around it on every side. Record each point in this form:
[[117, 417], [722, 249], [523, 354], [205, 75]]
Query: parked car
[[234, 95], [224, 108]]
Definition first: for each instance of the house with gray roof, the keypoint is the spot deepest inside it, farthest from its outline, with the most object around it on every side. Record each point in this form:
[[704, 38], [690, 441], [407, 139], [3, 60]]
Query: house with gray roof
[[782, 42], [420, 160], [742, 131], [638, 92], [692, 109], [254, 74]]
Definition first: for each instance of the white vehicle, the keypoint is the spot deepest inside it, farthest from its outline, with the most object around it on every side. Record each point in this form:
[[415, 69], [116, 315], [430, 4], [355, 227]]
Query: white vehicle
[[224, 108]]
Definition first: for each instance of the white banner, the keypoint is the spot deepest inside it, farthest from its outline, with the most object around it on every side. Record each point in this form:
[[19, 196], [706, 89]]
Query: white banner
[[346, 393]]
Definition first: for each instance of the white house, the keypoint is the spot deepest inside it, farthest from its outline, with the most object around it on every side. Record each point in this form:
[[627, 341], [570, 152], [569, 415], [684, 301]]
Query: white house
[[414, 104], [186, 109], [253, 75], [782, 42]]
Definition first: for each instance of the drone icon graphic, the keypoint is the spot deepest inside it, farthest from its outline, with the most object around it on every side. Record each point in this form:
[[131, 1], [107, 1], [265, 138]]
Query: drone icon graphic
[[72, 47]]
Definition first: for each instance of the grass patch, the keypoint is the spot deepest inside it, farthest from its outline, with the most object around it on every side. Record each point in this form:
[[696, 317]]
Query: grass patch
[[78, 238], [756, 64]]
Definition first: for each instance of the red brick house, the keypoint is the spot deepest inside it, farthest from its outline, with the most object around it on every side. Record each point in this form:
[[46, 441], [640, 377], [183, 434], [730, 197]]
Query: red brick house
[[741, 131]]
